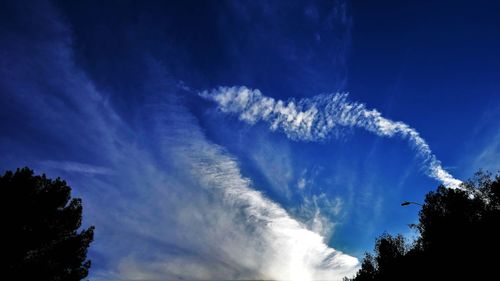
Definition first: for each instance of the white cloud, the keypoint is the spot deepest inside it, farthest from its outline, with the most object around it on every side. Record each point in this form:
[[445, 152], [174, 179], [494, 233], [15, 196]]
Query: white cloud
[[272, 159], [77, 167], [175, 206], [319, 117], [301, 183], [279, 247], [320, 213]]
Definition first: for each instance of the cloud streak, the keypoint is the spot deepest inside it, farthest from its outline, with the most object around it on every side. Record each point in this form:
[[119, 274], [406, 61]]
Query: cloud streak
[[167, 203], [277, 246], [317, 118], [70, 166]]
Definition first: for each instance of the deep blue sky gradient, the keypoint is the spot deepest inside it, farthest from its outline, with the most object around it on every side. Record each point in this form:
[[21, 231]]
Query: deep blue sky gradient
[[434, 65]]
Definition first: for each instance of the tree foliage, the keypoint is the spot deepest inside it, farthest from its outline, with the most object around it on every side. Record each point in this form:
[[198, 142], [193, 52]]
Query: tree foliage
[[459, 237], [40, 221]]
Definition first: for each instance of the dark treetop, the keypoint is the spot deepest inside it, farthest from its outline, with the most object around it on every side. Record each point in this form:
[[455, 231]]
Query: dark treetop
[[459, 238], [41, 240]]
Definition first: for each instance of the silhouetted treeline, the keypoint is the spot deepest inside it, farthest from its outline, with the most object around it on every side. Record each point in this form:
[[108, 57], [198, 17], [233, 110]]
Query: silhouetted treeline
[[459, 238], [40, 225]]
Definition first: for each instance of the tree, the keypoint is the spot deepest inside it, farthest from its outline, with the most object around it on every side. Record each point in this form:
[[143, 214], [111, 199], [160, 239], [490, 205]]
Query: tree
[[40, 221], [458, 237], [389, 259]]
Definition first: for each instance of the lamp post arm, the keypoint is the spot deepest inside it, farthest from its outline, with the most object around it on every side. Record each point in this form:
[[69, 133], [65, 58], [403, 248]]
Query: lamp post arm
[[406, 203]]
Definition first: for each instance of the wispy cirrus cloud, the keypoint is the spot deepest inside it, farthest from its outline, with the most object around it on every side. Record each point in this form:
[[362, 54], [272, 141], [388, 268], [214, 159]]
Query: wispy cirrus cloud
[[77, 167], [176, 206], [281, 247], [320, 117]]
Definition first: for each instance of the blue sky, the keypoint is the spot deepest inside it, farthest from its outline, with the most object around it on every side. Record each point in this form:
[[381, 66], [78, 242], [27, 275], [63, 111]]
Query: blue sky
[[164, 118]]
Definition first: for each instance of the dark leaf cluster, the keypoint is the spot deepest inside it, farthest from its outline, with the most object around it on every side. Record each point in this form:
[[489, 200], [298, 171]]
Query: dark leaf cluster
[[459, 238], [41, 240]]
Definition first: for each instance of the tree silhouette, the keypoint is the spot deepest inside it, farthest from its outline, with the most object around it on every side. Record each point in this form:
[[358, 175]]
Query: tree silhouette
[[40, 229], [458, 238]]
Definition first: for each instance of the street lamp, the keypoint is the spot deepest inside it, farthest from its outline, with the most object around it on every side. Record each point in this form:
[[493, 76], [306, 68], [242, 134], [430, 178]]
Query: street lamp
[[406, 203]]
